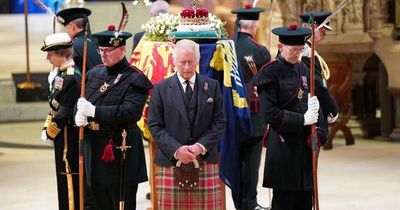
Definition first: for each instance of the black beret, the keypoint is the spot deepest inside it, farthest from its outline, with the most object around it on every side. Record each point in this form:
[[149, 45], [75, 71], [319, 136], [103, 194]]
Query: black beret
[[292, 35], [67, 15], [248, 13], [111, 38]]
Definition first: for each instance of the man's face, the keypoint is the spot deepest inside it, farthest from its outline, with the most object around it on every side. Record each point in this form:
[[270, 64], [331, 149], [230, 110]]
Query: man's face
[[186, 63], [320, 34], [111, 55], [291, 53]]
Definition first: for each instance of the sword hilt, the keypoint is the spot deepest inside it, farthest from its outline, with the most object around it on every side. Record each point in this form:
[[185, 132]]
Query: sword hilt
[[123, 146]]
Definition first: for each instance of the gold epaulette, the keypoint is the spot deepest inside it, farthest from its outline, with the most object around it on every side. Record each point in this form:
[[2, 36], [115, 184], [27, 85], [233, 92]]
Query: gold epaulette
[[326, 73], [52, 130], [48, 121]]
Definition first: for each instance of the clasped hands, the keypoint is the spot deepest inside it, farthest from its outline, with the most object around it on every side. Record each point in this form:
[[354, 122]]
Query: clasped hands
[[85, 109], [187, 153]]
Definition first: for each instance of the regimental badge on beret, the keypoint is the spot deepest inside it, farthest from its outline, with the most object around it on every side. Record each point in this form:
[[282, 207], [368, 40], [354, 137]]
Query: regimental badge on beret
[[60, 20], [115, 42], [111, 37]]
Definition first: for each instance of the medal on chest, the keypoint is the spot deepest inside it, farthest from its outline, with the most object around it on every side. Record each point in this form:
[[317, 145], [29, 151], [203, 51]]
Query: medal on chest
[[104, 87], [300, 93], [58, 83]]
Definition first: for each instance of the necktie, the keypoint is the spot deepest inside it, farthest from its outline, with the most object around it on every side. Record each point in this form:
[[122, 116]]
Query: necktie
[[188, 90]]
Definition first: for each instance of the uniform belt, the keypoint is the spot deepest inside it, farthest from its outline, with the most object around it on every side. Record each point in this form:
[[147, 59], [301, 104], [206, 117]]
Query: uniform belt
[[94, 126]]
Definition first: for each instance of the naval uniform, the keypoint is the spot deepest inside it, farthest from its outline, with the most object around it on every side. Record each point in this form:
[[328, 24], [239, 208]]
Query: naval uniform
[[63, 96]]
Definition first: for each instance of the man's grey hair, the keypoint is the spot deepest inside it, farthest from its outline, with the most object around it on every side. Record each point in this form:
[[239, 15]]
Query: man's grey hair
[[186, 44], [246, 24], [159, 7]]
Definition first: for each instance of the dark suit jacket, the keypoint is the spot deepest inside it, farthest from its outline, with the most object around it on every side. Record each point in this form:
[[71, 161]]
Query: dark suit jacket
[[169, 124]]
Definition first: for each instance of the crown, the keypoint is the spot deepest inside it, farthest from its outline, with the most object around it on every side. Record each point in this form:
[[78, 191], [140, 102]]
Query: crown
[[194, 16]]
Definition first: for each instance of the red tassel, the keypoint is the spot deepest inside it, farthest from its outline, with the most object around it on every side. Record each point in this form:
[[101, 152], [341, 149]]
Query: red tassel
[[108, 153]]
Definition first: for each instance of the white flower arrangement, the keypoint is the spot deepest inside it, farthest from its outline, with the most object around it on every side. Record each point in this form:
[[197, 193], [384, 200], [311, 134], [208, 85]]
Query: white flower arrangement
[[217, 25], [158, 28]]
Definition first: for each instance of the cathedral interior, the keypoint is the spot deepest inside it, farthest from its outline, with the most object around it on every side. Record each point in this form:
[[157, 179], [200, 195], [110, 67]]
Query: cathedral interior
[[361, 51]]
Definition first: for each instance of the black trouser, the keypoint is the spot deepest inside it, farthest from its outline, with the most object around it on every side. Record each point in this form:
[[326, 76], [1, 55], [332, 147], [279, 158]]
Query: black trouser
[[72, 157], [107, 197], [291, 200], [250, 156]]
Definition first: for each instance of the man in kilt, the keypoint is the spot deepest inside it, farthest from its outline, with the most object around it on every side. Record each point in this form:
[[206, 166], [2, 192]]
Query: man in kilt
[[187, 120]]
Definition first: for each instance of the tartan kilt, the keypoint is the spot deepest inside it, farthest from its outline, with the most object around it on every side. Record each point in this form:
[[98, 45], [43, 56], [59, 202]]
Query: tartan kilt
[[207, 195]]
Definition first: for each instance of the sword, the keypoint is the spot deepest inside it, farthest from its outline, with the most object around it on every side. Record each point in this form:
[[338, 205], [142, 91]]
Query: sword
[[340, 7], [123, 149]]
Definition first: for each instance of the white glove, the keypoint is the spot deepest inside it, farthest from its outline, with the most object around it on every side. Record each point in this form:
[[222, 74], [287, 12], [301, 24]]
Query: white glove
[[310, 117], [313, 103], [332, 119], [85, 107], [45, 139], [80, 119]]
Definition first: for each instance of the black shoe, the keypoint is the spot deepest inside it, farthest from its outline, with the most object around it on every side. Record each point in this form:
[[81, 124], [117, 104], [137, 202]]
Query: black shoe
[[258, 207]]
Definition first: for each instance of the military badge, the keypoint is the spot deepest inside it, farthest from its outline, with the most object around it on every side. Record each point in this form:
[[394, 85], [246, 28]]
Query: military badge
[[55, 103], [60, 19], [115, 42], [58, 83], [300, 94], [305, 83], [104, 87], [117, 79]]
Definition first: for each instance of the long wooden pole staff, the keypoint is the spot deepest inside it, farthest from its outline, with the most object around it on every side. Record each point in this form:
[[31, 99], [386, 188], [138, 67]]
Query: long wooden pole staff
[[81, 128], [314, 144]]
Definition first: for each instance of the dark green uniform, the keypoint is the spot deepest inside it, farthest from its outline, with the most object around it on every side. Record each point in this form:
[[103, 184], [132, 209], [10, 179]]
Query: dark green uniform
[[251, 56], [93, 57], [119, 94], [63, 96]]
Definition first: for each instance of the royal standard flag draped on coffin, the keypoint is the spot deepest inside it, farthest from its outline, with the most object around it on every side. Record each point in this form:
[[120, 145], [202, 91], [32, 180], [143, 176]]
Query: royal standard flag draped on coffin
[[219, 61]]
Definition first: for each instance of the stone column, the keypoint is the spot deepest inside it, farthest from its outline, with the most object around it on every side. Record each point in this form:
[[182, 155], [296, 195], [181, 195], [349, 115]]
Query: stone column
[[384, 99], [395, 135]]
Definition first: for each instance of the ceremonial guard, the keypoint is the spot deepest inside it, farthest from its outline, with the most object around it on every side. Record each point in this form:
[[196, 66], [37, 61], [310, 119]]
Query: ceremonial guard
[[283, 87], [322, 72], [115, 96], [251, 56], [75, 21], [59, 128]]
